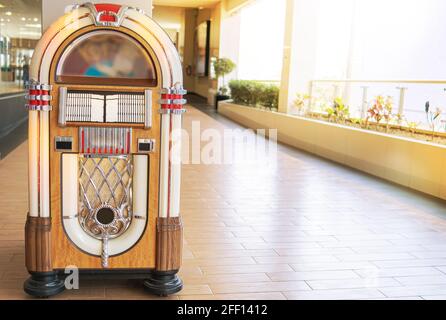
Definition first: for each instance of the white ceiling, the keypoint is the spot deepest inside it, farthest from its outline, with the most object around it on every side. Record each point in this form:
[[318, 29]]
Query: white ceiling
[[186, 3], [24, 20]]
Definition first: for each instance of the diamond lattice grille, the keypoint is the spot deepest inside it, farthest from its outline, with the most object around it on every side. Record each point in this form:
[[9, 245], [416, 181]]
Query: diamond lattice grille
[[105, 181]]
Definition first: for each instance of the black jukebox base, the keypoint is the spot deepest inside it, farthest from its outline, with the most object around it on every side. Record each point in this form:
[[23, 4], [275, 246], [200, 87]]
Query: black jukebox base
[[160, 283], [163, 283], [44, 284]]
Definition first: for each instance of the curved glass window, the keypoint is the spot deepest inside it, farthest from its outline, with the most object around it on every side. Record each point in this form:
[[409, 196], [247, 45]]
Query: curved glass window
[[106, 57]]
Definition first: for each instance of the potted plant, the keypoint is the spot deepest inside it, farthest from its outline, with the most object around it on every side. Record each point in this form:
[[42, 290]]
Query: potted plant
[[380, 109], [222, 67], [7, 74], [433, 118], [338, 112], [299, 103]]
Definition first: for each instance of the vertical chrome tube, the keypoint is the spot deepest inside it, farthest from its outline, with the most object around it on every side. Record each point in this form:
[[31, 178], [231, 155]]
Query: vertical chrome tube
[[33, 163], [147, 111], [44, 165]]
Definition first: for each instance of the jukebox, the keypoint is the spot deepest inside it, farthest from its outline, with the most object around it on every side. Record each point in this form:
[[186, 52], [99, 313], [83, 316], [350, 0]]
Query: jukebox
[[105, 100]]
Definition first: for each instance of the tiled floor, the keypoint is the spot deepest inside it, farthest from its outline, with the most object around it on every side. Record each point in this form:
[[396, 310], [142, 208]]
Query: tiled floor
[[302, 229]]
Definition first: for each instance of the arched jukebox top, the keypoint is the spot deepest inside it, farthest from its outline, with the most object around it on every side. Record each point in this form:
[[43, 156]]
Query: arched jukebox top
[[106, 81], [117, 41]]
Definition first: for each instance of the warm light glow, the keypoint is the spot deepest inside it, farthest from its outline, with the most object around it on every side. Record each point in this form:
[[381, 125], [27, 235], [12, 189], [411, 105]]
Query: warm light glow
[[32, 25], [261, 43]]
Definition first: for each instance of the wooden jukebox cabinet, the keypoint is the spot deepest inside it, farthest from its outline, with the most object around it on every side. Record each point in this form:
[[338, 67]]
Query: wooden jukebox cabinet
[[105, 102]]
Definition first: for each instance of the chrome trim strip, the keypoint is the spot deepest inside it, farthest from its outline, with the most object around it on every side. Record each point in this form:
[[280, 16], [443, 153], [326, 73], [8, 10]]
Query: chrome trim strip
[[62, 106], [36, 86], [38, 107], [70, 217], [179, 101], [40, 97], [148, 109]]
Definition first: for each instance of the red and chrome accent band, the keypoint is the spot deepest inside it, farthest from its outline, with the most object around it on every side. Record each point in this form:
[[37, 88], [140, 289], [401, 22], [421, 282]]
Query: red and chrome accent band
[[107, 14], [38, 97], [172, 100]]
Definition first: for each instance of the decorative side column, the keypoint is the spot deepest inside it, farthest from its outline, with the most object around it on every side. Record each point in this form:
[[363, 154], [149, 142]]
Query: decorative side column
[[169, 243], [169, 228], [43, 281], [38, 244]]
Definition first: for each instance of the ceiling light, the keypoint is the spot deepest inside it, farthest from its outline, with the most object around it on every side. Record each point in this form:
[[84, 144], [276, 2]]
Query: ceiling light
[[1, 6], [23, 19], [31, 25], [36, 19], [8, 13], [2, 19]]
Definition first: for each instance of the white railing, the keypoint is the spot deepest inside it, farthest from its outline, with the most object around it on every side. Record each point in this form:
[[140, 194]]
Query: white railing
[[400, 87]]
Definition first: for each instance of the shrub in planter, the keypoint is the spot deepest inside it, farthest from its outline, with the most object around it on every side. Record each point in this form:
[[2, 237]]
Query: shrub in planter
[[241, 91], [253, 93], [269, 96], [256, 91]]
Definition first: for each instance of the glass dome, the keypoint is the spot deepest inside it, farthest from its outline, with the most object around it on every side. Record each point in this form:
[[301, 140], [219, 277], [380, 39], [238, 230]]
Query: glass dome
[[106, 57]]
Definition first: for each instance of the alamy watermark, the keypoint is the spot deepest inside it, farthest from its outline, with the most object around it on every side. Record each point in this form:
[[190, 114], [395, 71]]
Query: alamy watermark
[[71, 278], [212, 146]]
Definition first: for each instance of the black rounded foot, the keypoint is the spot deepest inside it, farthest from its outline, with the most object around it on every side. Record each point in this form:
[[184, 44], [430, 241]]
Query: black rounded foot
[[163, 283], [43, 284]]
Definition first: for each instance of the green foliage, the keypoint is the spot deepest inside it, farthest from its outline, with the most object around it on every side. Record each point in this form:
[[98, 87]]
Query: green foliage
[[269, 96], [339, 112], [253, 93], [358, 121], [380, 109], [300, 102], [223, 66], [413, 126]]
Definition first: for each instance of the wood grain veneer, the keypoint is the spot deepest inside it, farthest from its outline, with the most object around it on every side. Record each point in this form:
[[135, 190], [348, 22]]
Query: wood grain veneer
[[64, 252]]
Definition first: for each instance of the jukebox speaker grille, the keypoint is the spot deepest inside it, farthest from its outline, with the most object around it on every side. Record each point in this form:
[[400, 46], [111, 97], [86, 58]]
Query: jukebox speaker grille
[[105, 186]]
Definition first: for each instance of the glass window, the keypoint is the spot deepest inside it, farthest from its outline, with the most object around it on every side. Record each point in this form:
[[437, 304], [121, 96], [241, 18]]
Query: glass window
[[112, 56], [262, 30], [20, 29]]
